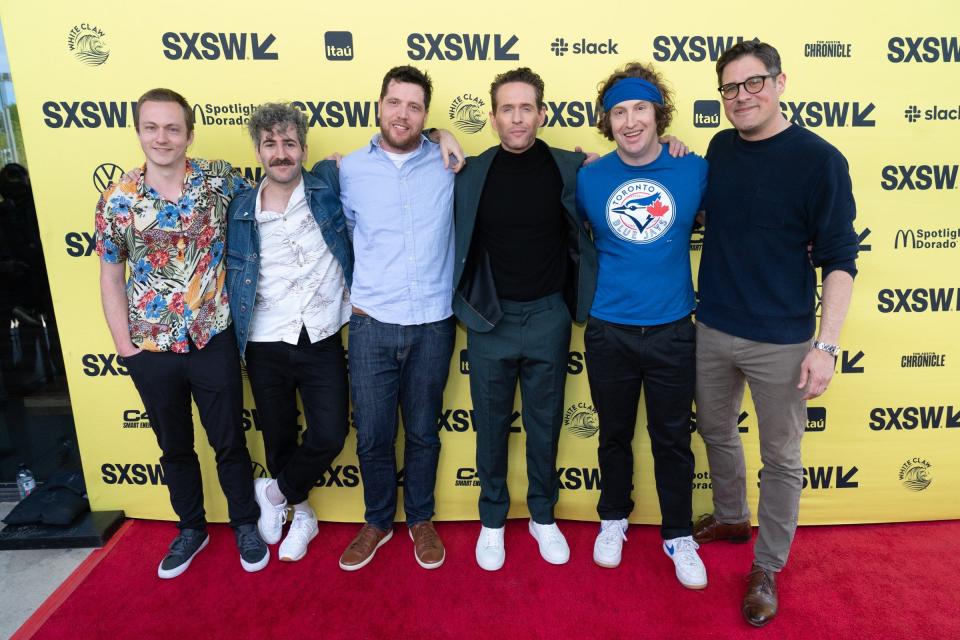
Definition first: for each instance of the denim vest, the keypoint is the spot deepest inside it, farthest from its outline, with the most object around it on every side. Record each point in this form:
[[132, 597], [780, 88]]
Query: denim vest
[[322, 190]]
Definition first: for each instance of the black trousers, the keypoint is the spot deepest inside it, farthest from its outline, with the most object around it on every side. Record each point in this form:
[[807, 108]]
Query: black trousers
[[277, 370], [166, 381], [662, 360]]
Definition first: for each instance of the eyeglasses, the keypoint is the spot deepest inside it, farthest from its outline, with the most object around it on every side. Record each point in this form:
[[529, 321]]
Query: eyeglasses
[[753, 84]]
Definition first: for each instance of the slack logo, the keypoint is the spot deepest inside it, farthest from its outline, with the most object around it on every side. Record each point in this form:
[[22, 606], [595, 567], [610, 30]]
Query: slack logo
[[706, 114], [338, 45]]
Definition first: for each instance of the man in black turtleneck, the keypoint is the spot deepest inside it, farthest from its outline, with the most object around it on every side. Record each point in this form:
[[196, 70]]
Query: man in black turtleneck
[[524, 268]]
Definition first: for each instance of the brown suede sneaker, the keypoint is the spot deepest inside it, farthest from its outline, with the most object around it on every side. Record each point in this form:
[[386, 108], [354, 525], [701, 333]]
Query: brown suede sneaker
[[707, 529], [760, 600], [363, 547], [427, 546]]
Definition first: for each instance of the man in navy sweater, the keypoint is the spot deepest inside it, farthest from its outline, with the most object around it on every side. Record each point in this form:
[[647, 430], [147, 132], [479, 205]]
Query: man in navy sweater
[[773, 190]]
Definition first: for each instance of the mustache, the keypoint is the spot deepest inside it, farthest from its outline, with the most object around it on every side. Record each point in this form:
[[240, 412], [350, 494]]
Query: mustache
[[282, 162]]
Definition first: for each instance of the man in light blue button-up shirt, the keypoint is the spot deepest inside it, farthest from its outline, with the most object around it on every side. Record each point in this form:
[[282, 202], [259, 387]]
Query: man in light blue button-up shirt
[[398, 200]]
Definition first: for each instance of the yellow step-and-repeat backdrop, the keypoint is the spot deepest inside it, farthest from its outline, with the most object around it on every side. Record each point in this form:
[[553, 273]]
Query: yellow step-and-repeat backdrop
[[878, 80]]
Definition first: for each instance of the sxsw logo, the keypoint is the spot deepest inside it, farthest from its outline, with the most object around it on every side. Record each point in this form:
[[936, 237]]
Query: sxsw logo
[[340, 476], [217, 46], [461, 46], [338, 45], [80, 244], [829, 114], [923, 49], [574, 478], [706, 114], [920, 177], [934, 113], [918, 300], [88, 114], [574, 113], [337, 113], [560, 47], [102, 364], [136, 474], [692, 48], [910, 418], [829, 477]]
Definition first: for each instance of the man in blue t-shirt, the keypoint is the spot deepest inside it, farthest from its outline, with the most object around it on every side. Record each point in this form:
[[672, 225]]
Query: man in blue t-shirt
[[641, 204], [773, 191]]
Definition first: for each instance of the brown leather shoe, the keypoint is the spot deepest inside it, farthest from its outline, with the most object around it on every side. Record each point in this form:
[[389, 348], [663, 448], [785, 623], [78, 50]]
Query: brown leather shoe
[[760, 601], [427, 546], [362, 548], [707, 529]]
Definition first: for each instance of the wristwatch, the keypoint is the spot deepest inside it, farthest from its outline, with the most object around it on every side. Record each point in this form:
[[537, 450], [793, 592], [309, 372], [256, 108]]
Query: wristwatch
[[832, 349]]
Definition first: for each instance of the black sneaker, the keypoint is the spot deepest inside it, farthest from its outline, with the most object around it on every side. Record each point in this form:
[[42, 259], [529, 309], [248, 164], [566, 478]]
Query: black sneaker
[[254, 554], [187, 544]]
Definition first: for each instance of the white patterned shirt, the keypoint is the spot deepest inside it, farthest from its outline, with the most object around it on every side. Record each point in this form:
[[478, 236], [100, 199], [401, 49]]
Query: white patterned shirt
[[301, 283]]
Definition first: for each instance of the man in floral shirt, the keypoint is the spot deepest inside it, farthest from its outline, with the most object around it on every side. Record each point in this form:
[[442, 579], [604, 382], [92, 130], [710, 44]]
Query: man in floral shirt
[[169, 319]]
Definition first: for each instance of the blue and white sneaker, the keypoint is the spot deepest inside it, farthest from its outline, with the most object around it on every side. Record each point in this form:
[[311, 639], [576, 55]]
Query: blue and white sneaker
[[690, 570]]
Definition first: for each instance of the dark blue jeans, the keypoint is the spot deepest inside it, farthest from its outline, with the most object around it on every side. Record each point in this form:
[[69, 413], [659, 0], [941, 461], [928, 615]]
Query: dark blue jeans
[[395, 366]]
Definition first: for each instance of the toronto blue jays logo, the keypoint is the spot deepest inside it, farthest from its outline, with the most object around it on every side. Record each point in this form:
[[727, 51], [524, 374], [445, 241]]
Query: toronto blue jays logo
[[640, 211]]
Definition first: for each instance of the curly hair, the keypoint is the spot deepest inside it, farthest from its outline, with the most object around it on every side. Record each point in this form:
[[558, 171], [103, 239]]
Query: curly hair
[[664, 112], [272, 115]]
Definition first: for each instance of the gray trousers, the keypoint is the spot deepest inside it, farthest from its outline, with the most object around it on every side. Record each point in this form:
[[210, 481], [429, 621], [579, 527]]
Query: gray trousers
[[530, 344], [724, 364]]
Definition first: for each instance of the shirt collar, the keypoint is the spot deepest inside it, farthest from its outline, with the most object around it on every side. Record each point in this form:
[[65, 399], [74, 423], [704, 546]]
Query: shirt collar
[[191, 177], [296, 197], [375, 143]]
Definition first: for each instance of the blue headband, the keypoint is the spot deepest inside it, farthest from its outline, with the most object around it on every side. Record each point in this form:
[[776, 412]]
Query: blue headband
[[631, 89]]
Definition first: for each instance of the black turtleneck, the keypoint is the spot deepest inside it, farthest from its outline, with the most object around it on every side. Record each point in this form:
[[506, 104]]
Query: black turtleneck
[[520, 224]]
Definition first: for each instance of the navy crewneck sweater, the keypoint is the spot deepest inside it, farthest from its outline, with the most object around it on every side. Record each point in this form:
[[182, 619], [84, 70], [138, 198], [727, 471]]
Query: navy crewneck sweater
[[765, 201]]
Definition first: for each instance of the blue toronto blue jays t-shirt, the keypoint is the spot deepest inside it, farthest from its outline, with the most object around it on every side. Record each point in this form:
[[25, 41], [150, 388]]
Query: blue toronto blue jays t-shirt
[[641, 219]]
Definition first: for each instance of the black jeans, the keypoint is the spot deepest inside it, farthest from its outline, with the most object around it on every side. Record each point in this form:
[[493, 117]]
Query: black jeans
[[166, 381], [277, 370], [662, 359]]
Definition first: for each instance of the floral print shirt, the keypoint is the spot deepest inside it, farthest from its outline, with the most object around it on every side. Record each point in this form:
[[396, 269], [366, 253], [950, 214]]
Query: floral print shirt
[[174, 251]]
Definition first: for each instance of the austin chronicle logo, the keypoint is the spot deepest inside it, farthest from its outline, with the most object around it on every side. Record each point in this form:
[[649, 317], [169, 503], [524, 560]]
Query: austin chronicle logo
[[86, 43], [466, 111], [640, 211], [912, 114], [915, 474], [105, 174], [581, 419]]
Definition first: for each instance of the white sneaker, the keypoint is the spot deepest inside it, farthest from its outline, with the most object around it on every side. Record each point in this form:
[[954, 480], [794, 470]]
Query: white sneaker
[[690, 570], [272, 516], [490, 549], [608, 547], [553, 546], [302, 531]]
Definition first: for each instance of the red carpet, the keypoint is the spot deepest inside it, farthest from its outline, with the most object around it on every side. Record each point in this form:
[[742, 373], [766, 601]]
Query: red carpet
[[870, 581]]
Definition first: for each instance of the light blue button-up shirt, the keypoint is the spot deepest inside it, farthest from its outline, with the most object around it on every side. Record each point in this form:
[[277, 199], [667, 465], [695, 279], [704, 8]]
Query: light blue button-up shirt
[[401, 221]]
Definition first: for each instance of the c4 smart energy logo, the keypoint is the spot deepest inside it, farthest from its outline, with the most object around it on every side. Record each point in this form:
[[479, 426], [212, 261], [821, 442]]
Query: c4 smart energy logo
[[467, 113], [86, 43], [640, 211], [581, 420], [915, 474]]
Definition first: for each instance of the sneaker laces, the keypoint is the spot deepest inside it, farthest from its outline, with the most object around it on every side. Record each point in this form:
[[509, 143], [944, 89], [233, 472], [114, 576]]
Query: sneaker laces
[[492, 538], [280, 513], [248, 540], [300, 528], [180, 545], [427, 537], [365, 538], [611, 532], [686, 550], [551, 533]]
